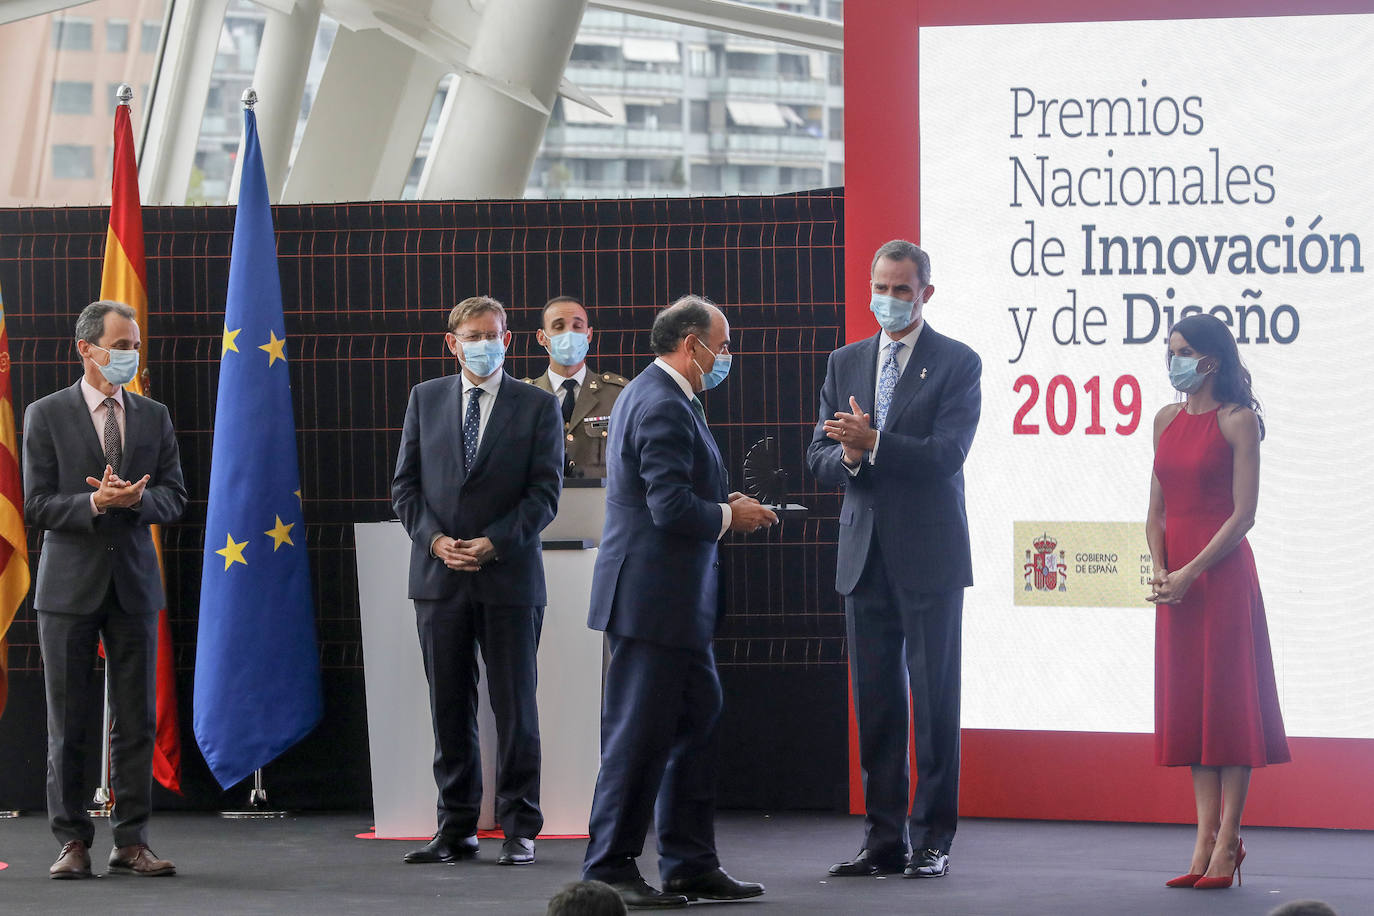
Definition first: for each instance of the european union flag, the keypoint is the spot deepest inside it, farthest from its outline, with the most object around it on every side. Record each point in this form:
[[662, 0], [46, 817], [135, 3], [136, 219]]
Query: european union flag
[[257, 663]]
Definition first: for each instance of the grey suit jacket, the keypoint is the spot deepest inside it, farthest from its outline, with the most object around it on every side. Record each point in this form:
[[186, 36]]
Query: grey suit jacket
[[83, 553], [911, 498]]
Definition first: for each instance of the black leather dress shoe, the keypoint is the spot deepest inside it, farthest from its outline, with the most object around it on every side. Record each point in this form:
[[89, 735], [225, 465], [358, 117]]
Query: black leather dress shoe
[[712, 885], [638, 895], [865, 863], [928, 863], [517, 850], [443, 849]]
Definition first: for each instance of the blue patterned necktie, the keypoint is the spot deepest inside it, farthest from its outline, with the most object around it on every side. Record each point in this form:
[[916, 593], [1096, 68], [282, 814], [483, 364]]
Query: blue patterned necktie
[[699, 408], [887, 383], [472, 426]]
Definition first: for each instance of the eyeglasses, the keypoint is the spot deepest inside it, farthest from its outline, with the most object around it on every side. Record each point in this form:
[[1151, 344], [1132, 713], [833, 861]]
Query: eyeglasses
[[475, 336]]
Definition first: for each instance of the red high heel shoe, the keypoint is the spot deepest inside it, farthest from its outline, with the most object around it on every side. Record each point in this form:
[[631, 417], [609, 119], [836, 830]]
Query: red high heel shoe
[[1183, 881], [1209, 884]]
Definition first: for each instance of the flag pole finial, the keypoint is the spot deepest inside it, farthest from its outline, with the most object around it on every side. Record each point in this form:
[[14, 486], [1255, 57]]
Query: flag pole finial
[[124, 94], [249, 98]]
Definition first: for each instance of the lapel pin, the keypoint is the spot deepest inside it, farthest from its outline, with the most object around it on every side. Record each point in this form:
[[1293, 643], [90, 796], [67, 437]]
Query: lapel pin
[[923, 372]]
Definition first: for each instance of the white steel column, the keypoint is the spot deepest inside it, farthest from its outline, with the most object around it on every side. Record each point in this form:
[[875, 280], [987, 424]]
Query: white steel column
[[367, 118], [279, 78], [487, 142], [178, 100]]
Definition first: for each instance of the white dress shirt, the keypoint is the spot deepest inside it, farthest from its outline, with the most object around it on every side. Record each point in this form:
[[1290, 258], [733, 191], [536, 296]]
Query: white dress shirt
[[725, 512], [491, 387], [95, 404], [556, 383]]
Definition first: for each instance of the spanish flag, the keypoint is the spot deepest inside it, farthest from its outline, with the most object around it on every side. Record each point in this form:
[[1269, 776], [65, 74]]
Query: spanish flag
[[14, 552], [125, 279]]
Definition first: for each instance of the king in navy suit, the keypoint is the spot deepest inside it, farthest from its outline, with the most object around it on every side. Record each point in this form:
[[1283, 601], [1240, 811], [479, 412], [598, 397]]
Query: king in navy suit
[[478, 477], [654, 593], [897, 416]]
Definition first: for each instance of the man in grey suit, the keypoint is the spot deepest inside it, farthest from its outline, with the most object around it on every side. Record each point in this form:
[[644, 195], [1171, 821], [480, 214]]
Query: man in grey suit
[[98, 579], [477, 478], [903, 557]]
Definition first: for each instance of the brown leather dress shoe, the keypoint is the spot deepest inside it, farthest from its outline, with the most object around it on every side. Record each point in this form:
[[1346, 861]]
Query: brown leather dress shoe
[[73, 862], [138, 860]]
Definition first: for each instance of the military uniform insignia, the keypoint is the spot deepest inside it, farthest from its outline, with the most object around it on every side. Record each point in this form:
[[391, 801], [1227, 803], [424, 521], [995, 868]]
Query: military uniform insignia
[[584, 438]]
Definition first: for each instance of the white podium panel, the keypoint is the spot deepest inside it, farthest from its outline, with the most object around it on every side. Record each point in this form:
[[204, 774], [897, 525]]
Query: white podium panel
[[400, 735]]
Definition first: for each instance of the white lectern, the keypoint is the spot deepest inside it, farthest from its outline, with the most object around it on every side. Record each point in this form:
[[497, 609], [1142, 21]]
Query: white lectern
[[569, 694]]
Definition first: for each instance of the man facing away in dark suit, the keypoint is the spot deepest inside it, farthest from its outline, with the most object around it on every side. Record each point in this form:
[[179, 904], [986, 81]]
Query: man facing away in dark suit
[[98, 579], [654, 593], [897, 416], [477, 478], [585, 396]]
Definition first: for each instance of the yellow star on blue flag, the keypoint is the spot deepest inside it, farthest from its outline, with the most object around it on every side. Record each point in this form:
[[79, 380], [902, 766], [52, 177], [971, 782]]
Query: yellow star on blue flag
[[257, 688]]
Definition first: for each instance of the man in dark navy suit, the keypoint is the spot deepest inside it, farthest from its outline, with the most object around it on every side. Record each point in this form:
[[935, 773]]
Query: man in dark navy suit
[[897, 416], [477, 479], [654, 593]]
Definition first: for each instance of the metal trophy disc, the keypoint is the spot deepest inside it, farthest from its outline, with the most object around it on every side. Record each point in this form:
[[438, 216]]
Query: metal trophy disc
[[766, 481]]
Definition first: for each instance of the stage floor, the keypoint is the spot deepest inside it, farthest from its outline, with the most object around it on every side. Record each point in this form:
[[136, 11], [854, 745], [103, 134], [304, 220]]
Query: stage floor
[[314, 864]]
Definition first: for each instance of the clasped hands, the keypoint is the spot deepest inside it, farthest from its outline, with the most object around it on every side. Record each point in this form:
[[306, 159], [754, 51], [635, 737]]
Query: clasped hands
[[464, 556], [854, 431], [1170, 587], [112, 491]]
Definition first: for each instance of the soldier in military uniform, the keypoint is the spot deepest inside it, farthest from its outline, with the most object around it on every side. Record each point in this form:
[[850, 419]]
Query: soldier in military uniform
[[584, 395]]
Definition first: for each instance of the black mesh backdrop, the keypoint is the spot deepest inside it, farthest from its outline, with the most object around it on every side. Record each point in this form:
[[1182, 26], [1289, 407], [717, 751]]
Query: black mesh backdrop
[[366, 289]]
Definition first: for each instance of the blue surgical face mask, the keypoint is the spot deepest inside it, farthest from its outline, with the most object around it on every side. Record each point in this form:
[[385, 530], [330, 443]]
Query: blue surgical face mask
[[483, 357], [121, 368], [1183, 373], [568, 348], [719, 370], [893, 314]]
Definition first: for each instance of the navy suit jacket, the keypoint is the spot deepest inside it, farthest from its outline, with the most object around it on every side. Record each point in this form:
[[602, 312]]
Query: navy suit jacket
[[912, 497], [82, 553], [509, 495], [656, 571]]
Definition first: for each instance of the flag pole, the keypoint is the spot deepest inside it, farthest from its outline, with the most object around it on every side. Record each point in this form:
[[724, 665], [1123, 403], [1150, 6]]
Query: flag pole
[[257, 796], [103, 801]]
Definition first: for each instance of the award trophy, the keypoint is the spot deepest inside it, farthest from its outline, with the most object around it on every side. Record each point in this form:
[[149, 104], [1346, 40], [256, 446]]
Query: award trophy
[[766, 481]]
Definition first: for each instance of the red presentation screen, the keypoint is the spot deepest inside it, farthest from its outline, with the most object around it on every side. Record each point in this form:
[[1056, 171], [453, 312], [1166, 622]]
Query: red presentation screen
[[1081, 180]]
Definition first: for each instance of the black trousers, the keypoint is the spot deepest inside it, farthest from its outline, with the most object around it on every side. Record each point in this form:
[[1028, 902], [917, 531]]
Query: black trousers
[[905, 643], [659, 749], [451, 631], [68, 643]]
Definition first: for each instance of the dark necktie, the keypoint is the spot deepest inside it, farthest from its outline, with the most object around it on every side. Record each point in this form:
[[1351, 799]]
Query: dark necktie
[[569, 398], [113, 449], [472, 426], [697, 406]]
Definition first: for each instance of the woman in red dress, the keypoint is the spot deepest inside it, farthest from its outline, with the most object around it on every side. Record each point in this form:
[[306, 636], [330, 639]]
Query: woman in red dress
[[1216, 706]]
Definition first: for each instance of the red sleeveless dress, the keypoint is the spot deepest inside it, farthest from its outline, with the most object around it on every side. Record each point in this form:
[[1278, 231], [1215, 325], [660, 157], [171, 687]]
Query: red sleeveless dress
[[1215, 699]]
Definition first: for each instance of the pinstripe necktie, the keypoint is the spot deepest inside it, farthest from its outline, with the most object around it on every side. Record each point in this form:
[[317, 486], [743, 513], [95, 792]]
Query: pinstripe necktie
[[114, 450]]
